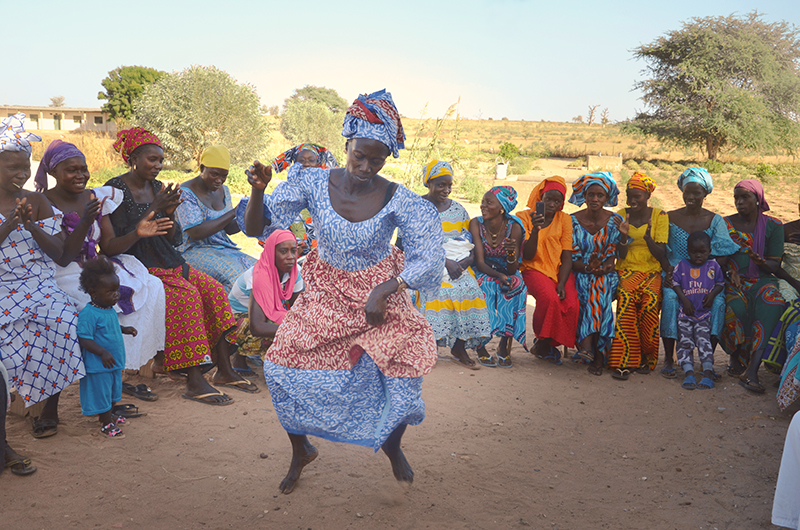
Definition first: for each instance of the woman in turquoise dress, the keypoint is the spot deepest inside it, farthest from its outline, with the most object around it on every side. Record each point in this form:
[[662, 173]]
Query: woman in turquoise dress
[[497, 260], [348, 359], [595, 240], [207, 218], [696, 184], [754, 303]]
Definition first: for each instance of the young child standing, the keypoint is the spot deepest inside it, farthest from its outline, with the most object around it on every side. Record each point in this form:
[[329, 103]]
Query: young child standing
[[100, 337], [696, 281]]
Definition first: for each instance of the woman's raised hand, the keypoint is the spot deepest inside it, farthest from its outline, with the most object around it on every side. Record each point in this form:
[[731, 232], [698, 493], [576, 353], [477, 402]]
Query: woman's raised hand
[[92, 208], [259, 175], [24, 212], [149, 226], [537, 220], [167, 199], [623, 226], [510, 244]]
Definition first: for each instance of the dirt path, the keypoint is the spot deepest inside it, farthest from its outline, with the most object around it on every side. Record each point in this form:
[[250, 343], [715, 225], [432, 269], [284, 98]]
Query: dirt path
[[536, 445]]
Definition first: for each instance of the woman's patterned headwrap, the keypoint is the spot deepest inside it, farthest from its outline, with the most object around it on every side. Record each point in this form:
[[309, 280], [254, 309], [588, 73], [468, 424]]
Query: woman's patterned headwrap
[[699, 175], [325, 158], [604, 179], [13, 136], [555, 182], [436, 169], [640, 181], [56, 152], [375, 116], [507, 197], [129, 139]]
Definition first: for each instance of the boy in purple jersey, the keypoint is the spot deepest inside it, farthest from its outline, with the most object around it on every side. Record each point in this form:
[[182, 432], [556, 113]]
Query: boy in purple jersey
[[696, 281]]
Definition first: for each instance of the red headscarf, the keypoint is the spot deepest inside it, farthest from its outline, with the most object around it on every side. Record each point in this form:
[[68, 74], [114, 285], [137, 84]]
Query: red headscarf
[[267, 289], [129, 139], [556, 183]]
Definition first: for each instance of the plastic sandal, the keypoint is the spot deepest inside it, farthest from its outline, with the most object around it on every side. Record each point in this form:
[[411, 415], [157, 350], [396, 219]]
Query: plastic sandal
[[112, 431], [487, 361], [705, 384], [751, 385], [621, 373], [669, 373], [690, 383], [504, 362]]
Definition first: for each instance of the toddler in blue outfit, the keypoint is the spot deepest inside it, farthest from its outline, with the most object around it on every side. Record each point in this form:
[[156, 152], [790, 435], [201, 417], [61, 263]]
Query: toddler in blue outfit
[[100, 337]]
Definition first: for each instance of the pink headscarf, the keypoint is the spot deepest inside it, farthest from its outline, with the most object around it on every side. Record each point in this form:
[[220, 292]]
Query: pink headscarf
[[760, 233], [267, 289]]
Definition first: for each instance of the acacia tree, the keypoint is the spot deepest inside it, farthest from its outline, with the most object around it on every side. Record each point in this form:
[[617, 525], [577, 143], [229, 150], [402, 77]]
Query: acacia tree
[[723, 81], [203, 106], [326, 96], [123, 86]]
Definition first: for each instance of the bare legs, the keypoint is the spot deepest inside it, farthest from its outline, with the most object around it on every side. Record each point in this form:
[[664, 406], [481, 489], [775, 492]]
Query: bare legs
[[303, 453]]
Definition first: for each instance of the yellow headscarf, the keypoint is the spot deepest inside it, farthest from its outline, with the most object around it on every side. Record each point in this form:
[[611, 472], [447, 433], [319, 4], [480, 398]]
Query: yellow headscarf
[[434, 169], [640, 181], [216, 156], [550, 183]]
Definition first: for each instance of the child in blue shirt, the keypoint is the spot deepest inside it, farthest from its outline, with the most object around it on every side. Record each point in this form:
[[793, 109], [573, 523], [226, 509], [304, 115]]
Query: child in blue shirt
[[100, 337]]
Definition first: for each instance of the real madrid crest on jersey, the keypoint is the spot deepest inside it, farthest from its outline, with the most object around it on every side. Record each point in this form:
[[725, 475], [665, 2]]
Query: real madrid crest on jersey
[[711, 273]]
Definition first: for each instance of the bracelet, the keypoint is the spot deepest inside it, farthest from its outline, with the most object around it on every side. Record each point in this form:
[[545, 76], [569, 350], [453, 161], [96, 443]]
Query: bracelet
[[402, 285], [514, 260]]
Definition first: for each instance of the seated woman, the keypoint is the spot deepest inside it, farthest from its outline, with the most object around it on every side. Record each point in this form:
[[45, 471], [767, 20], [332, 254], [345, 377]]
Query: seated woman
[[307, 155], [754, 302], [198, 313], [595, 242], [547, 269], [38, 323], [497, 259], [283, 253], [458, 312], [696, 184], [141, 303], [635, 345], [207, 218]]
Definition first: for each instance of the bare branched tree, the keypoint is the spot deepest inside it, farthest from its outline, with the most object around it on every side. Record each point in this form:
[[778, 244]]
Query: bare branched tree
[[592, 112]]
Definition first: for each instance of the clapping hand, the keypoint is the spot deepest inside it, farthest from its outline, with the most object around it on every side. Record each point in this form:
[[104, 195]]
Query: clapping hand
[[167, 199], [259, 175], [149, 226], [623, 226], [92, 208]]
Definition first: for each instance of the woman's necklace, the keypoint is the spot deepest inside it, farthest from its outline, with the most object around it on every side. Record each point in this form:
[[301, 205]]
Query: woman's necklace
[[495, 236]]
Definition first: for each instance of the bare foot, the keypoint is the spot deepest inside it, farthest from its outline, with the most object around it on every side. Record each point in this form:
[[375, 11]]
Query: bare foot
[[400, 466], [459, 352], [302, 455]]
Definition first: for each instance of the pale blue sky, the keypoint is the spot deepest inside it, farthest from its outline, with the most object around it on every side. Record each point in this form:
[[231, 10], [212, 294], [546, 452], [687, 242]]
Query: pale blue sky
[[522, 59]]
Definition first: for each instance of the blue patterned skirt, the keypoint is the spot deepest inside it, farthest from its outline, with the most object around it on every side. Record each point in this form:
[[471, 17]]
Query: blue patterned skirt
[[222, 264], [361, 406]]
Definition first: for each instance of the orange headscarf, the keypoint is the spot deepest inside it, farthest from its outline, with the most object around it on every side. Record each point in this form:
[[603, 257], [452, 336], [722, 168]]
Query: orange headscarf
[[550, 183]]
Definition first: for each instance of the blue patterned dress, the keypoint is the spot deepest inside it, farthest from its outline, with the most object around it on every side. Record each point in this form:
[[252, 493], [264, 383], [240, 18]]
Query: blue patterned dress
[[506, 309], [38, 322], [216, 255], [330, 373], [596, 293]]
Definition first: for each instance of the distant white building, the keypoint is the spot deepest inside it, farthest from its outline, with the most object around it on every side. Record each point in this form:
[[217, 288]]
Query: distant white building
[[61, 118]]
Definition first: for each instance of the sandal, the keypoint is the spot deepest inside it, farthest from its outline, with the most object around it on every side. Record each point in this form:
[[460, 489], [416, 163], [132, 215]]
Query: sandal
[[140, 391], [736, 372], [669, 373], [585, 355], [752, 386], [706, 383], [21, 467], [127, 410], [44, 428], [643, 369], [595, 370], [487, 360], [112, 431], [504, 362], [554, 357], [621, 373], [244, 372], [689, 383]]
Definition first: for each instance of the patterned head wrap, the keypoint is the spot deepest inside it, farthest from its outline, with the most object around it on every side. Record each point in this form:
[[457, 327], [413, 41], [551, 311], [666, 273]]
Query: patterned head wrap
[[13, 136], [130, 139], [640, 181], [760, 232], [375, 116], [56, 152], [550, 183], [508, 200], [216, 156], [325, 158], [604, 179], [436, 169], [696, 174]]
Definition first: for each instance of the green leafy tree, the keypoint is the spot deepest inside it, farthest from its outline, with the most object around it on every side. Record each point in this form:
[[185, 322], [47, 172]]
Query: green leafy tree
[[122, 86], [312, 121], [723, 81], [203, 106], [326, 96]]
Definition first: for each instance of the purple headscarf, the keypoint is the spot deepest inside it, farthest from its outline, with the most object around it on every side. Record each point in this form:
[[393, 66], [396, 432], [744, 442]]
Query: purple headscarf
[[56, 152], [760, 233]]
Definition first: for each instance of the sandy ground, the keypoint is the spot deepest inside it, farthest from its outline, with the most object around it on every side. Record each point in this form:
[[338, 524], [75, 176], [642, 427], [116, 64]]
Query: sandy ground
[[536, 445]]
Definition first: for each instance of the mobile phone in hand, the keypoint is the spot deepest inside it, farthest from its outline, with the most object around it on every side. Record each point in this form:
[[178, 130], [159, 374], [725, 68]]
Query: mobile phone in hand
[[540, 208]]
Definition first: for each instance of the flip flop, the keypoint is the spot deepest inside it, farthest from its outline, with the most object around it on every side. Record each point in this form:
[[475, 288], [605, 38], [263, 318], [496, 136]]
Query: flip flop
[[751, 385], [621, 373], [554, 357], [244, 372], [21, 467], [644, 370], [705, 383], [669, 373], [595, 370], [736, 372], [585, 355], [689, 383], [127, 410], [472, 366], [504, 362], [140, 391], [44, 428], [487, 361], [202, 399], [244, 386]]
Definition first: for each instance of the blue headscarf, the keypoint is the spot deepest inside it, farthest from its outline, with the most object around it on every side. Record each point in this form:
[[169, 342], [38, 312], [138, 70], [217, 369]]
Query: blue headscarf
[[13, 136], [696, 174], [508, 200], [604, 179], [375, 116]]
